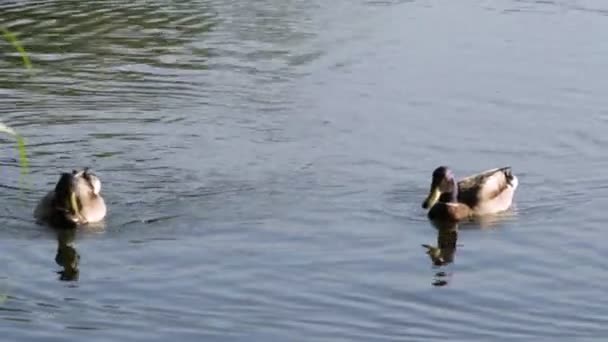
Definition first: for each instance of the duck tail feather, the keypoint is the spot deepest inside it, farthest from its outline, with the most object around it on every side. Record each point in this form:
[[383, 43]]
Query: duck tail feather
[[508, 174]]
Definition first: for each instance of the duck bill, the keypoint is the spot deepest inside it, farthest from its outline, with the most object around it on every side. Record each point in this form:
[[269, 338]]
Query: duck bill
[[73, 203], [432, 198]]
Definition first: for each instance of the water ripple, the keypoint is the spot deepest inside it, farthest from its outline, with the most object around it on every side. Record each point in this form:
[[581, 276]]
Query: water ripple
[[264, 163]]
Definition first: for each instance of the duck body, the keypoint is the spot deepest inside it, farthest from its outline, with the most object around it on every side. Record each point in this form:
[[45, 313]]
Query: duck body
[[485, 193], [76, 200]]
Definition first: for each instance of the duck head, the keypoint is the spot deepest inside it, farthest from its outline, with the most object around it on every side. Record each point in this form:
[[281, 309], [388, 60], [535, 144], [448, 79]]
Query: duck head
[[74, 190], [443, 181]]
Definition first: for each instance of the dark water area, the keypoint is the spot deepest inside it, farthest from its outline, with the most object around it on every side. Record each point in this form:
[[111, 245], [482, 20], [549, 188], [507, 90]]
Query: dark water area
[[264, 163]]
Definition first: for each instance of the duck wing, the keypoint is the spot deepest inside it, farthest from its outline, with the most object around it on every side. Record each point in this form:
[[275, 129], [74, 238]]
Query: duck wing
[[484, 186]]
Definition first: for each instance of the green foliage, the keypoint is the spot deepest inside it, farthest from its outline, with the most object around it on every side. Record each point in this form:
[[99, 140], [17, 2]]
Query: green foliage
[[12, 39], [23, 162]]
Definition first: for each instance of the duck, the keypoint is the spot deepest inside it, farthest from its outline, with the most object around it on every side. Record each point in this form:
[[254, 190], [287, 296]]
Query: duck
[[76, 200], [488, 192]]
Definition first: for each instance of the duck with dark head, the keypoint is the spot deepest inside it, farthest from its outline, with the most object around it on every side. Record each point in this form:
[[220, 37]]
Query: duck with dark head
[[488, 192], [76, 200]]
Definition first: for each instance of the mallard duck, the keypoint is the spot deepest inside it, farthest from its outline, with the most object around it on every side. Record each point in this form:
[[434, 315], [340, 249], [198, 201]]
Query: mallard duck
[[76, 200], [488, 192]]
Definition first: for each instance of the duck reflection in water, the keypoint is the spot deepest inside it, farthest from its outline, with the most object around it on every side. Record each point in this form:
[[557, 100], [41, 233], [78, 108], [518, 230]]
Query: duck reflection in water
[[447, 235], [443, 253], [67, 256]]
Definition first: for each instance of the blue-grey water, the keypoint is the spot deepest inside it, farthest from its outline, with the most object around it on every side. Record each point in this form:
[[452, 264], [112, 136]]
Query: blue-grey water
[[264, 163]]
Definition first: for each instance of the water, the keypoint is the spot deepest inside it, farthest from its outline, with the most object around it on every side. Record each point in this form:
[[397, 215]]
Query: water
[[264, 163]]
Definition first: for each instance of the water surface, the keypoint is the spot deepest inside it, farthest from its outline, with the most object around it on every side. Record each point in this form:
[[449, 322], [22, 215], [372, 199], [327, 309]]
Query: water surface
[[264, 163]]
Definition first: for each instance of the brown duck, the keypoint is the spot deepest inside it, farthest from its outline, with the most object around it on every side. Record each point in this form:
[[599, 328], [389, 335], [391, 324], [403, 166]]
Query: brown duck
[[76, 200]]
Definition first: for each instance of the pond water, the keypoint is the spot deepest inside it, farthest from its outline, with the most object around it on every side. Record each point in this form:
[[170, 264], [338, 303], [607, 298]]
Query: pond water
[[264, 163]]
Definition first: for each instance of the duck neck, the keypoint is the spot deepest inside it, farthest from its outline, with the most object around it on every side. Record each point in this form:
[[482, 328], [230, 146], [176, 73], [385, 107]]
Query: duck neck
[[452, 196]]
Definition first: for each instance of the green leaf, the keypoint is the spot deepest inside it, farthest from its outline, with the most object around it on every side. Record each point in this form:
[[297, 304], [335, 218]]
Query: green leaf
[[12, 39], [23, 162]]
